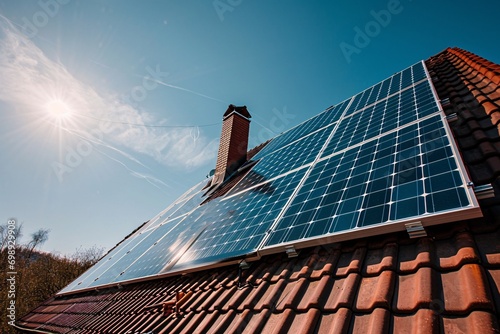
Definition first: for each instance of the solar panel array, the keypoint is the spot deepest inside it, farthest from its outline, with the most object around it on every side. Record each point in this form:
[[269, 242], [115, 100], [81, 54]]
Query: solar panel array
[[406, 173], [382, 157]]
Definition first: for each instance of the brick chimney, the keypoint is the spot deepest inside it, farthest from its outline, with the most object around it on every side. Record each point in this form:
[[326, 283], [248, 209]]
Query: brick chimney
[[233, 142]]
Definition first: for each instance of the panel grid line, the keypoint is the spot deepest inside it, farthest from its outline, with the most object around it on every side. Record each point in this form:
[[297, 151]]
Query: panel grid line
[[306, 175]]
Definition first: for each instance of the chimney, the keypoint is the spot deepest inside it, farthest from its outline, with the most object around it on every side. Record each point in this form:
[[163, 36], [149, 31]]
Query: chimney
[[233, 142]]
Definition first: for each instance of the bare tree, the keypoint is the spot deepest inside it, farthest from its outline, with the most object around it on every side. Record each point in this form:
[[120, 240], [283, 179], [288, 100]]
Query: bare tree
[[88, 256], [38, 238]]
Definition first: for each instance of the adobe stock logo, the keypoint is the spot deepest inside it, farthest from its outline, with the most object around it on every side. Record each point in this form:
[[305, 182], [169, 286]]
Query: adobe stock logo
[[372, 29], [49, 9], [278, 122], [222, 6]]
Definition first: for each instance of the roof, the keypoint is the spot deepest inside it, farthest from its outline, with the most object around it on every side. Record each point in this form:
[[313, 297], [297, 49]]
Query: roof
[[448, 281]]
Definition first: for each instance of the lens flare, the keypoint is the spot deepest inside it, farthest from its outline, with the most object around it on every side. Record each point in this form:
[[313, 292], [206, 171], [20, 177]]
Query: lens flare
[[58, 110]]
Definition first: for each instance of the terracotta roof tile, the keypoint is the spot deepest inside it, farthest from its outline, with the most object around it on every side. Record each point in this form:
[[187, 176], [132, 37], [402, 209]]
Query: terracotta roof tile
[[240, 322], [325, 264], [342, 293], [162, 325], [278, 322], [414, 256], [223, 322], [302, 267], [489, 248], [454, 252], [292, 294], [223, 298], [350, 262], [282, 271], [376, 291], [152, 323], [194, 304], [237, 298], [380, 259], [189, 321], [418, 290], [494, 281], [335, 323], [476, 323], [203, 323], [271, 295], [254, 296], [254, 322], [376, 322], [466, 289], [211, 298], [305, 322], [317, 292], [423, 321]]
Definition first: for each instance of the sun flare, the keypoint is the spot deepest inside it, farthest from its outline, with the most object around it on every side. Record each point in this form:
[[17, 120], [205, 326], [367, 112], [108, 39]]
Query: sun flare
[[58, 110]]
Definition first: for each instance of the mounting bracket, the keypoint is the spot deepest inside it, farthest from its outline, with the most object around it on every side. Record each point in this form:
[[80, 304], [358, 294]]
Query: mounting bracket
[[415, 230]]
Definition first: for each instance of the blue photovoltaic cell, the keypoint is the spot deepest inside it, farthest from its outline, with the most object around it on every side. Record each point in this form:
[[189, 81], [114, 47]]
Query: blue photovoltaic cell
[[236, 226], [407, 173], [298, 154], [106, 262], [327, 117], [380, 157], [134, 251], [387, 87], [180, 209], [295, 155], [164, 251], [400, 109], [184, 204]]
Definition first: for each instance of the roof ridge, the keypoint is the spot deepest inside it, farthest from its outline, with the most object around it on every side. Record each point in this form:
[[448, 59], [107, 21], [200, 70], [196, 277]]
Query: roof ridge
[[483, 65]]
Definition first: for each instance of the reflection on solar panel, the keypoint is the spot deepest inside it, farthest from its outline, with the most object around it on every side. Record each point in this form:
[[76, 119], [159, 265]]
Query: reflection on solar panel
[[182, 206], [362, 167], [327, 117], [237, 225]]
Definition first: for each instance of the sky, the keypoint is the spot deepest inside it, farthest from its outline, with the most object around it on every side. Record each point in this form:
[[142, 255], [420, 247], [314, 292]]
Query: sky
[[110, 110]]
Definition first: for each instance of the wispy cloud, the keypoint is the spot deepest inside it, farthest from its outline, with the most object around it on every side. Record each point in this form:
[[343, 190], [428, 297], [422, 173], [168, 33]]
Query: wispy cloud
[[30, 78]]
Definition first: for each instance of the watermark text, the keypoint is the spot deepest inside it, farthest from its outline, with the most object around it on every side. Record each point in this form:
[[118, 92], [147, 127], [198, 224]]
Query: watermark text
[[11, 271], [372, 29]]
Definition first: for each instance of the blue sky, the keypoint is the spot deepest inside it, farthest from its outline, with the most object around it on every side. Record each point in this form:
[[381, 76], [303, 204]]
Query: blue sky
[[140, 89]]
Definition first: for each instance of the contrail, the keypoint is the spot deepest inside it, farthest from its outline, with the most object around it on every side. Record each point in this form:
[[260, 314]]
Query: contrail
[[100, 142], [188, 90], [31, 79], [165, 84]]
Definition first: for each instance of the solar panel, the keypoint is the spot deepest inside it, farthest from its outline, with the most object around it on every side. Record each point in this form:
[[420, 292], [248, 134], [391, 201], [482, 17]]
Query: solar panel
[[164, 252], [106, 270], [390, 113], [325, 118], [237, 225], [365, 166], [140, 246], [180, 207], [406, 174], [301, 152], [105, 263]]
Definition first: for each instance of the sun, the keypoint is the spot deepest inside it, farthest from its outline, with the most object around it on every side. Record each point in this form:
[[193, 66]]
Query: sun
[[58, 110]]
